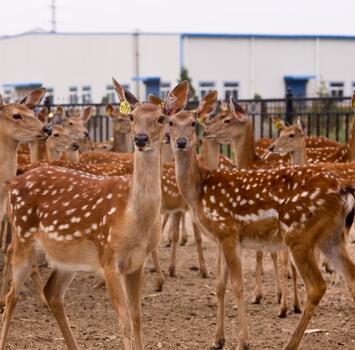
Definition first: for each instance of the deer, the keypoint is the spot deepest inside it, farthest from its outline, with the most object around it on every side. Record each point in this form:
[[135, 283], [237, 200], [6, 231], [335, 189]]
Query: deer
[[306, 206], [75, 124], [234, 127], [105, 224], [18, 123], [121, 127]]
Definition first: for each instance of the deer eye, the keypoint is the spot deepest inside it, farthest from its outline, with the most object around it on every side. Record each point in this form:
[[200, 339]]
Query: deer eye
[[193, 124], [291, 135], [56, 135], [171, 124], [161, 119], [131, 118], [226, 121], [71, 123], [16, 116]]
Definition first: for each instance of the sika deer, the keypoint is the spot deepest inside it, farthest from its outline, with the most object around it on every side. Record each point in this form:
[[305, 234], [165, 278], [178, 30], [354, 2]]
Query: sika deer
[[297, 208], [85, 222]]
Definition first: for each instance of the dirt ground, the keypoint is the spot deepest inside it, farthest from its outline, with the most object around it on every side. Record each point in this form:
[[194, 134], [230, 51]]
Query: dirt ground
[[183, 316]]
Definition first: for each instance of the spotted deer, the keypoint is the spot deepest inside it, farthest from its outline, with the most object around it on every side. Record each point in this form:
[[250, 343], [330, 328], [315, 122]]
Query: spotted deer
[[75, 124], [295, 208], [18, 123], [84, 222], [121, 128], [235, 128]]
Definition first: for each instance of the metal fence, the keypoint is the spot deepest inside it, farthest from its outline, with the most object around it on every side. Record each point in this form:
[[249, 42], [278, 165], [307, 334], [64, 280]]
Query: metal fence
[[326, 116]]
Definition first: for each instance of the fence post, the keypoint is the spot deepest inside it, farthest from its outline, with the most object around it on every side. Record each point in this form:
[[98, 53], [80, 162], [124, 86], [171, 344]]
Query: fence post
[[48, 103], [289, 107]]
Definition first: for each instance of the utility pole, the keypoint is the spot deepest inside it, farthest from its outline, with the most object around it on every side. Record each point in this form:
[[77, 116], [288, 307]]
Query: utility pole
[[136, 60], [54, 17]]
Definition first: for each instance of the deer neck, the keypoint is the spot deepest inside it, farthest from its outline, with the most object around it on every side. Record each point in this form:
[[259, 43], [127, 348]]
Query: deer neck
[[244, 148], [52, 154], [188, 176], [36, 150], [8, 158], [298, 156], [72, 156], [122, 143], [167, 153], [210, 155], [352, 143], [145, 196]]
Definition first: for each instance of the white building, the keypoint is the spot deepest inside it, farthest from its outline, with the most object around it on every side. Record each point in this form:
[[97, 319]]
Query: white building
[[77, 67]]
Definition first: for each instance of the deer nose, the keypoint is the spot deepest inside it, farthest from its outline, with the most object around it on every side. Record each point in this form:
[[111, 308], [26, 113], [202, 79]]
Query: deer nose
[[75, 146], [47, 130], [141, 139], [271, 148], [181, 143], [86, 134], [167, 137]]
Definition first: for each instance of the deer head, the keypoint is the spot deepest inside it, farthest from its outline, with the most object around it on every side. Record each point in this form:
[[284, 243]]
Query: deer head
[[228, 124], [183, 124], [18, 120], [147, 131], [60, 141], [120, 122], [291, 138]]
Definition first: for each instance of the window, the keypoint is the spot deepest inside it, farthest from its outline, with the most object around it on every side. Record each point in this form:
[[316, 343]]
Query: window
[[164, 90], [73, 95], [8, 95], [205, 87], [50, 95], [231, 88], [336, 89], [86, 94], [110, 94]]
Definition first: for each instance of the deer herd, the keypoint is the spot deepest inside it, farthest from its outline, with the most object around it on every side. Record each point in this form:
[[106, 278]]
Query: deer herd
[[101, 210]]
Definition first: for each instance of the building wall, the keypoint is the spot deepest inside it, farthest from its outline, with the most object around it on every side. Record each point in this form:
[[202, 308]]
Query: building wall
[[257, 63]]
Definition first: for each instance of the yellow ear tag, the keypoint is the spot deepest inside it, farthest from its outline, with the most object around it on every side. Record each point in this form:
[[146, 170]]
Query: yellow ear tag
[[125, 107], [201, 120], [278, 124], [50, 115]]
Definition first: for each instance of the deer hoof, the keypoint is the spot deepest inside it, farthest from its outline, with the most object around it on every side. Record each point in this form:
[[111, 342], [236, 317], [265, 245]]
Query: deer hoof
[[283, 313], [297, 309], [172, 272], [219, 344], [257, 299]]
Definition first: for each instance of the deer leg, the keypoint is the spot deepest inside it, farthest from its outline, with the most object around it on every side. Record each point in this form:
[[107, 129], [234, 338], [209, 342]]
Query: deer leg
[[6, 275], [36, 278], [315, 287], [274, 257], [175, 221], [54, 291], [230, 251], [183, 239], [284, 266], [21, 262], [257, 294], [165, 221], [134, 285], [221, 286], [160, 276], [296, 301], [201, 259], [117, 291]]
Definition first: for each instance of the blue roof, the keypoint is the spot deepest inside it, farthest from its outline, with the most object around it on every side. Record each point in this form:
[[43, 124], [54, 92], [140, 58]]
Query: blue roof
[[201, 35], [29, 85], [299, 77], [146, 79]]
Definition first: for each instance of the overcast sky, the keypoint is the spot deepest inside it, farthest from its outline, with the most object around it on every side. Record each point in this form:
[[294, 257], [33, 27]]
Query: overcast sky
[[218, 16]]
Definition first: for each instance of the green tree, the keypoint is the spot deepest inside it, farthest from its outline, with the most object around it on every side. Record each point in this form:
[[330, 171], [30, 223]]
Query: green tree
[[184, 75]]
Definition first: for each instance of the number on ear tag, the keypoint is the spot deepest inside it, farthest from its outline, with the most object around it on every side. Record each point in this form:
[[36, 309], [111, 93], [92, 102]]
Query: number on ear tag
[[125, 107], [278, 124]]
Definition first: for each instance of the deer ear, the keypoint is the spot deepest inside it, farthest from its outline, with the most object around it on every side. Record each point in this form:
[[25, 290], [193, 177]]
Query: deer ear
[[177, 98], [300, 124], [42, 115], [207, 105], [155, 100], [130, 98], [109, 110], [238, 110], [60, 111], [33, 99], [87, 113]]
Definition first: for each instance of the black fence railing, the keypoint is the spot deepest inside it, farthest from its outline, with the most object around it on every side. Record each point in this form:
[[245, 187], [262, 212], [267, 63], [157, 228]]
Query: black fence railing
[[326, 116]]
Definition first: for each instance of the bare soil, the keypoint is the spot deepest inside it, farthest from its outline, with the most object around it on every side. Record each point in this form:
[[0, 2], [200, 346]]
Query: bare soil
[[183, 316]]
